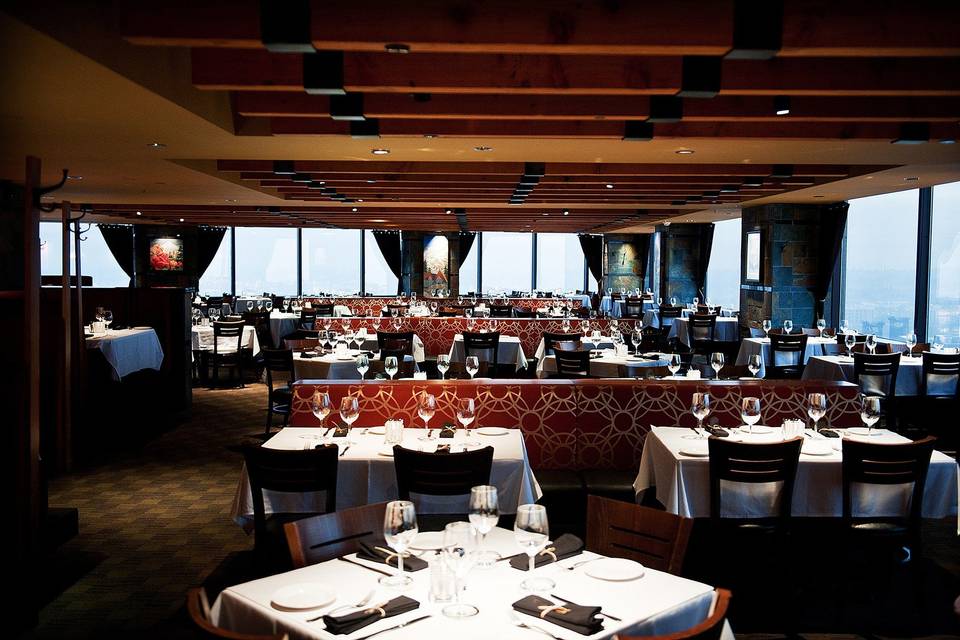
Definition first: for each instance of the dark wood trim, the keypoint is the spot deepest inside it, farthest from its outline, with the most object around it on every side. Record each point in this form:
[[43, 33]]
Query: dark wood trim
[[924, 238]]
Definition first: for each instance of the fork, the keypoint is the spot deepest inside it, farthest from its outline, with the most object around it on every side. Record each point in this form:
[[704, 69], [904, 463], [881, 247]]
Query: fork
[[523, 625], [367, 598], [579, 564]]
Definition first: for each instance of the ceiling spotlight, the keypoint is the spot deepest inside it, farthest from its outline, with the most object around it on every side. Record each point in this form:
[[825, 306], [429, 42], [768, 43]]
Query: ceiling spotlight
[[359, 199], [380, 152], [429, 136], [609, 186], [157, 145], [354, 209], [396, 47], [181, 219], [74, 177], [449, 211], [230, 200], [546, 214], [371, 181], [139, 214], [566, 213], [684, 152], [781, 105], [482, 149], [911, 179]]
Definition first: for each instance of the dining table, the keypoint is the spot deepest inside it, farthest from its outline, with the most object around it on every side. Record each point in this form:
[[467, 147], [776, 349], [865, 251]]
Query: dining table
[[201, 339], [642, 602], [816, 346], [509, 351], [727, 330], [676, 462], [840, 367], [614, 307], [309, 365], [606, 363], [586, 342], [366, 473], [128, 350]]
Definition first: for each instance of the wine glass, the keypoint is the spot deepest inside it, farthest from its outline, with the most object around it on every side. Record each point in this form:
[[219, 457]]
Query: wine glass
[[716, 363], [443, 365], [493, 324], [821, 325], [659, 302], [268, 305], [787, 326], [750, 412], [696, 301], [399, 531], [871, 343], [459, 553], [673, 301], [249, 305], [472, 365], [466, 412], [673, 364], [376, 324], [938, 342], [213, 314], [565, 325], [484, 515], [349, 411], [700, 408], [363, 365], [426, 408], [816, 408], [107, 318], [870, 412], [637, 338], [390, 366], [849, 340], [532, 532], [767, 325], [585, 327], [911, 343], [321, 406], [754, 364], [397, 323]]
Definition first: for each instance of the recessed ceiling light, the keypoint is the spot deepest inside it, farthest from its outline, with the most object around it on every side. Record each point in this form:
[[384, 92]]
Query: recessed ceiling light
[[817, 196], [868, 177], [181, 219], [354, 209], [781, 105], [157, 145], [609, 186], [546, 214], [482, 149], [74, 177], [684, 152], [139, 214], [396, 47], [359, 199], [566, 213], [371, 181], [429, 136], [911, 179], [377, 220], [449, 211], [230, 200], [380, 152]]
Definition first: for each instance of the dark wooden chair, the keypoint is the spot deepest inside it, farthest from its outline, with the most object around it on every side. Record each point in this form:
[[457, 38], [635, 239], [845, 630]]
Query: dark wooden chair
[[572, 364], [397, 309], [308, 319], [501, 311], [440, 474], [710, 629], [227, 353], [786, 356], [292, 472], [394, 341], [702, 330], [485, 346], [633, 308], [260, 321], [551, 339], [941, 376], [448, 312], [323, 310], [654, 538], [876, 375], [859, 339], [198, 608], [300, 344], [279, 398], [332, 535], [521, 312]]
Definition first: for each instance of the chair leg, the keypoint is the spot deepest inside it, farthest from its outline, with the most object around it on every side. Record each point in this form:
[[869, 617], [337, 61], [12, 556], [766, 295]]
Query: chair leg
[[269, 416]]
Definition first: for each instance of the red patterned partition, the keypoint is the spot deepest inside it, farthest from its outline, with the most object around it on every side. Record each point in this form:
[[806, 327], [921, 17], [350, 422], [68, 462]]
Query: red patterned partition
[[581, 424], [372, 306]]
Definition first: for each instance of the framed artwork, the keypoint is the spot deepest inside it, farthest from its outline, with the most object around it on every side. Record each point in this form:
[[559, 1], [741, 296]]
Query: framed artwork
[[752, 257], [166, 254], [435, 264]]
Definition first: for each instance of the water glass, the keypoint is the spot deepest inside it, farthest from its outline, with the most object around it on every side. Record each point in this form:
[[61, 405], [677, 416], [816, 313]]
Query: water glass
[[849, 340], [750, 412], [754, 364], [472, 365], [767, 325], [716, 363], [821, 325], [363, 365], [792, 429], [871, 343], [393, 432], [673, 364], [484, 515], [816, 408], [911, 343], [787, 326], [391, 366], [460, 552], [443, 365], [443, 582], [532, 532], [870, 412], [399, 531]]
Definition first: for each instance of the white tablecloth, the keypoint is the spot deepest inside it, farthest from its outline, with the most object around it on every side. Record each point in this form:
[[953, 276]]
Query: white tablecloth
[[582, 297], [605, 342], [282, 324], [683, 482], [201, 339], [365, 476], [752, 346], [330, 367], [509, 351], [841, 368], [657, 603], [129, 350], [727, 330], [607, 366]]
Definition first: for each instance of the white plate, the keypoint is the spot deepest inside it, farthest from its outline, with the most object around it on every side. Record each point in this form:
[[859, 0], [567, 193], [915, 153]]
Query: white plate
[[816, 448], [303, 595], [492, 431], [757, 428], [142, 328], [345, 358], [695, 450], [428, 541], [614, 569], [377, 431], [862, 431], [386, 453]]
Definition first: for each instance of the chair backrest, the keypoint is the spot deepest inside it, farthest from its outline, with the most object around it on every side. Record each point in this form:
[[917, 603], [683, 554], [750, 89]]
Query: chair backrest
[[668, 314], [859, 338], [198, 607], [323, 310], [501, 311], [633, 308], [441, 474], [448, 312], [227, 331], [301, 344], [486, 346], [397, 309], [702, 327], [876, 373], [277, 361], [550, 340], [520, 312], [753, 464], [296, 471], [396, 340], [787, 350], [941, 374], [572, 363], [710, 629], [332, 535], [871, 463], [654, 538], [308, 318]]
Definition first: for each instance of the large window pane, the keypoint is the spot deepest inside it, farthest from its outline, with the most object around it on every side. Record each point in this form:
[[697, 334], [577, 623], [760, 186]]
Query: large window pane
[[95, 257], [216, 279], [51, 249], [468, 268], [559, 262], [506, 262], [881, 264], [379, 279], [266, 260], [944, 311], [723, 272], [331, 261]]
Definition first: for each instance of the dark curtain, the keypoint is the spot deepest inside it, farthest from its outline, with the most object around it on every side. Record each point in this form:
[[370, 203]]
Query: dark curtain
[[593, 251], [706, 244], [391, 248], [209, 240], [466, 243], [119, 239], [833, 223], [642, 245]]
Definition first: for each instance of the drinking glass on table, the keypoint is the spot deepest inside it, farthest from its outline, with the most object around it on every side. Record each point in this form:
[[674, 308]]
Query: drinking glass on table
[[716, 363], [268, 305], [849, 340], [637, 338], [787, 326], [426, 408], [767, 325], [700, 408], [870, 412], [349, 412], [363, 365], [471, 323], [493, 324], [460, 553], [821, 325], [376, 324], [107, 318], [399, 531], [614, 325], [750, 412], [443, 365], [911, 343], [585, 327], [472, 364], [754, 364], [390, 366], [466, 412], [213, 313], [484, 515], [249, 305], [532, 532], [673, 301], [397, 323], [696, 301], [938, 342], [659, 302], [321, 406], [673, 364], [871, 343], [816, 408]]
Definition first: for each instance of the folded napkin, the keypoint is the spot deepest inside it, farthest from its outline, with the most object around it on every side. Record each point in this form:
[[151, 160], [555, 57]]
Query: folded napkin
[[566, 614], [307, 354], [564, 546], [359, 619], [378, 551]]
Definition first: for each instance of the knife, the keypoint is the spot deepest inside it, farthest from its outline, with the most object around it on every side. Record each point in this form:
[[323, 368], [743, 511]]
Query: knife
[[396, 626], [345, 449], [360, 564]]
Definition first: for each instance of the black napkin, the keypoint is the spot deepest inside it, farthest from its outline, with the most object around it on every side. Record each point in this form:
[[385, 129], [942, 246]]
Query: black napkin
[[443, 448], [571, 616], [307, 354], [378, 551], [448, 431], [340, 431], [717, 431], [565, 546], [359, 619]]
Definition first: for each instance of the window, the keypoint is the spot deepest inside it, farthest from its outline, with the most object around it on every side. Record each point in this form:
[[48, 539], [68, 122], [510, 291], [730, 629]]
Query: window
[[506, 262], [216, 279], [559, 262], [96, 260], [331, 261], [723, 272], [881, 264], [944, 311], [51, 249], [266, 260], [378, 278], [468, 268]]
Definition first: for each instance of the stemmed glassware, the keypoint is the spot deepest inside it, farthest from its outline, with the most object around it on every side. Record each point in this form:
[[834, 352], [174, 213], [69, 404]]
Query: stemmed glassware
[[849, 340], [767, 325], [321, 406], [871, 343], [484, 515], [700, 408], [532, 532], [821, 325], [787, 326], [268, 305], [911, 343], [637, 338], [472, 364], [349, 412], [107, 318], [399, 531], [390, 366], [870, 412], [443, 365], [426, 408], [250, 305], [673, 364], [754, 364], [466, 412], [816, 408], [397, 323], [750, 412], [585, 327], [938, 343], [213, 313], [363, 365], [460, 553], [716, 363], [673, 301]]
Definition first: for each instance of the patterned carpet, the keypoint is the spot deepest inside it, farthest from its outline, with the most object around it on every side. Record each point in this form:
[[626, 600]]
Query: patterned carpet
[[154, 519]]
